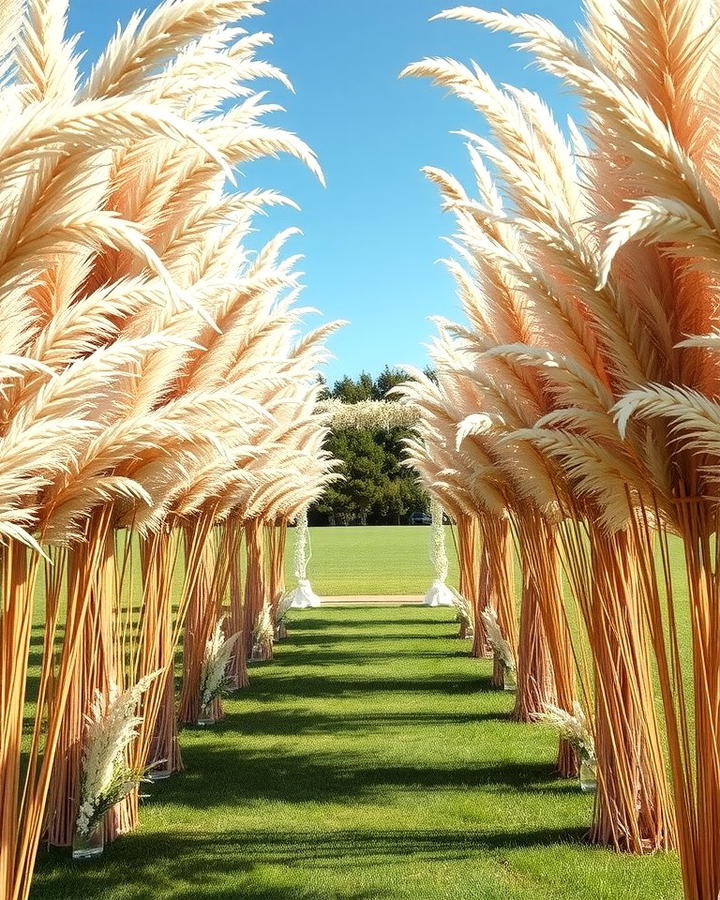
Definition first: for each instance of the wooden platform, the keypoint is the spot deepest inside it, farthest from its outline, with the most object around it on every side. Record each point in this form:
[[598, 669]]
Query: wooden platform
[[375, 600]]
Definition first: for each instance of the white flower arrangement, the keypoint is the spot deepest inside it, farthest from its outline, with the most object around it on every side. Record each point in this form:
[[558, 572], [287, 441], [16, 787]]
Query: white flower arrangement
[[106, 778], [301, 552], [573, 727], [496, 639], [438, 553], [284, 606], [264, 631], [463, 608], [215, 662], [302, 596], [377, 415], [439, 594]]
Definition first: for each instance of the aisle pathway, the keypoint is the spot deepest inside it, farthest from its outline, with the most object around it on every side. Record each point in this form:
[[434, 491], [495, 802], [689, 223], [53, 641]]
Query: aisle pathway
[[369, 760], [375, 600]]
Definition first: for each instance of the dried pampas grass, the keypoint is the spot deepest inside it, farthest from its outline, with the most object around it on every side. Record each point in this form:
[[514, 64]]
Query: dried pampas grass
[[154, 380]]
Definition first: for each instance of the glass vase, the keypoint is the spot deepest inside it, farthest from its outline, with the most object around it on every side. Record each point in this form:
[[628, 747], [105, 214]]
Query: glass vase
[[588, 774], [159, 772], [509, 679], [206, 717], [90, 845]]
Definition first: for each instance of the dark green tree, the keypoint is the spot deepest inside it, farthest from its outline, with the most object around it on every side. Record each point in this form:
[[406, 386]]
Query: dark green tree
[[376, 486], [387, 379], [350, 390]]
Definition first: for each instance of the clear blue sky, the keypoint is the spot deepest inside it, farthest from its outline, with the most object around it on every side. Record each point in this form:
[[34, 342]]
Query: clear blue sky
[[371, 239]]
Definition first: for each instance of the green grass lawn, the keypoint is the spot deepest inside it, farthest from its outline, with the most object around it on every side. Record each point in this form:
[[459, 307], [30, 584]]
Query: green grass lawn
[[369, 760], [372, 560]]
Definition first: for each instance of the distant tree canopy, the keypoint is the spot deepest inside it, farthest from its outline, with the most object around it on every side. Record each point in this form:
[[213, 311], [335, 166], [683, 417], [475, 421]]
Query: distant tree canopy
[[376, 488]]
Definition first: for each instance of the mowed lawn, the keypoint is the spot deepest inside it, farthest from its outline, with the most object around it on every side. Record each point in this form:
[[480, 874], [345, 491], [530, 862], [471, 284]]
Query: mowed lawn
[[372, 560], [370, 759]]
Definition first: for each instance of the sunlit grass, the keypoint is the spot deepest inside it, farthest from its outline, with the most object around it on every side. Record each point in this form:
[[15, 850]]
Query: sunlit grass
[[372, 560], [370, 760]]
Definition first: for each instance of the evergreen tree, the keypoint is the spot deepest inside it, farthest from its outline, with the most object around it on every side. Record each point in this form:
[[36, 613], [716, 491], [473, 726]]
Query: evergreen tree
[[376, 487]]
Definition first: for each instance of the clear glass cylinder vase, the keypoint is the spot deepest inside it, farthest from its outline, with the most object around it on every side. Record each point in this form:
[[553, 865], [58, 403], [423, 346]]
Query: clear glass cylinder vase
[[159, 772], [262, 651], [509, 678], [588, 774], [89, 845], [206, 717]]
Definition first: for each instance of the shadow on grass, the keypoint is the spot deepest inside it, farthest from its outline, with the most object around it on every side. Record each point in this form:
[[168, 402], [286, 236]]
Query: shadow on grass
[[184, 866], [226, 769], [219, 776], [336, 620], [290, 722], [329, 657], [277, 687], [331, 637]]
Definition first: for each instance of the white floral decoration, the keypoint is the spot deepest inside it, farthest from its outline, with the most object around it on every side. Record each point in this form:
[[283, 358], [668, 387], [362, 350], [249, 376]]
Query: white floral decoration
[[439, 593], [284, 605], [264, 630], [215, 662], [301, 553], [463, 608], [302, 596], [496, 639], [438, 553], [376, 415], [105, 778], [573, 727]]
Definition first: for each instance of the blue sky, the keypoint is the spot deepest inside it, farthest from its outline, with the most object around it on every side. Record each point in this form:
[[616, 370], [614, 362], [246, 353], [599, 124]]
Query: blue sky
[[372, 238]]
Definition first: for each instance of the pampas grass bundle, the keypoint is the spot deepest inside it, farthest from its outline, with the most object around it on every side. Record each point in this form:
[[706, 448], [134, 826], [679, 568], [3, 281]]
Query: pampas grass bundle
[[567, 317], [152, 383]]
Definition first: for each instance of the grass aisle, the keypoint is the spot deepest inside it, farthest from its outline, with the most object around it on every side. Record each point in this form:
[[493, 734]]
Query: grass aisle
[[370, 760], [380, 559]]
